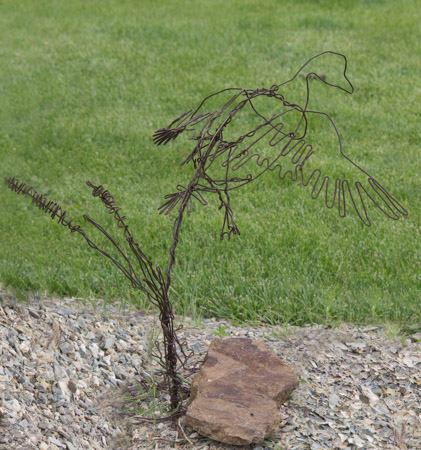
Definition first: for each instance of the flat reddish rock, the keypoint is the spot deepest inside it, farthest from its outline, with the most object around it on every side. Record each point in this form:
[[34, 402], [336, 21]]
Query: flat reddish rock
[[236, 394]]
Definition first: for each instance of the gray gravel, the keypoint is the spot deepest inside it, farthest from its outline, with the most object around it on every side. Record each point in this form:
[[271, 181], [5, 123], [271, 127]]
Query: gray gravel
[[65, 369]]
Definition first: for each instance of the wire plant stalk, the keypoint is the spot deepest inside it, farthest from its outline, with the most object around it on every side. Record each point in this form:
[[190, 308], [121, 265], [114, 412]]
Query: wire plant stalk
[[167, 317], [148, 279]]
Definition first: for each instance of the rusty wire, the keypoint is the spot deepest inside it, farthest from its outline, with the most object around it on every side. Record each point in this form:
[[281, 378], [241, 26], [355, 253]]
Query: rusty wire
[[290, 157]]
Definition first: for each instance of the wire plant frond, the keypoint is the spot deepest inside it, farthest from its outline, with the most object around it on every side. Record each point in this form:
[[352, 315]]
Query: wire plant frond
[[150, 280]]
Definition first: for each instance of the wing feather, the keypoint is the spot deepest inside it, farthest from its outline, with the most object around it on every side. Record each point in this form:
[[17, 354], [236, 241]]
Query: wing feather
[[358, 194]]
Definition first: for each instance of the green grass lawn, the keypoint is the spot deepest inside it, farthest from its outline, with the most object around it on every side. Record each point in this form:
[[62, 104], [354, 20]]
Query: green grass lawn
[[84, 84]]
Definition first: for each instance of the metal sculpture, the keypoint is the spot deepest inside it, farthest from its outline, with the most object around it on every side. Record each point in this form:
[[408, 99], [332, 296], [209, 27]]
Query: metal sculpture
[[224, 160], [289, 154]]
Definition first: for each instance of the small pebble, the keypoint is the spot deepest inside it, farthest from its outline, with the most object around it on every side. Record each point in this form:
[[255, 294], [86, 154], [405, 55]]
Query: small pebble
[[107, 343], [23, 423], [66, 312], [34, 314]]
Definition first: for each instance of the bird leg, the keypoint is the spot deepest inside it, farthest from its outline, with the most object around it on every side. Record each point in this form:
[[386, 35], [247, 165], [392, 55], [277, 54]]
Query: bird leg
[[229, 226]]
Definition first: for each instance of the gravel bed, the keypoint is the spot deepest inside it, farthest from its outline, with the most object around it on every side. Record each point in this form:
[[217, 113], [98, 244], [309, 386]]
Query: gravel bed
[[67, 370]]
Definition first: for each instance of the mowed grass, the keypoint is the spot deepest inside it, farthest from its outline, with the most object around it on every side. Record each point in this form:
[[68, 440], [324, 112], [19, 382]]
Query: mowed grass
[[85, 84]]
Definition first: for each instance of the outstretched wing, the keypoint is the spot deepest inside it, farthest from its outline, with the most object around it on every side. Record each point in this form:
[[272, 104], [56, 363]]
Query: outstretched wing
[[331, 175], [344, 185], [356, 190]]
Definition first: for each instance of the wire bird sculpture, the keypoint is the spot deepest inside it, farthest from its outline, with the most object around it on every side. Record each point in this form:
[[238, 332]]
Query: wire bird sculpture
[[269, 146], [222, 164]]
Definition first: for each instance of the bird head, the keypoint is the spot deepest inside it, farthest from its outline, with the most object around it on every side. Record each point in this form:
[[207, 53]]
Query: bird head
[[329, 67]]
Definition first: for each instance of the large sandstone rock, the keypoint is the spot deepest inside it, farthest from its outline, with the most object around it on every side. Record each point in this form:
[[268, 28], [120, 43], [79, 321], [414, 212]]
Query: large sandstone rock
[[236, 394]]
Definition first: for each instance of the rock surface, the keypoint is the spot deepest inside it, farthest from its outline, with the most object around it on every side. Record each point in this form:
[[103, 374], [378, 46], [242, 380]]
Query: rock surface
[[236, 395]]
